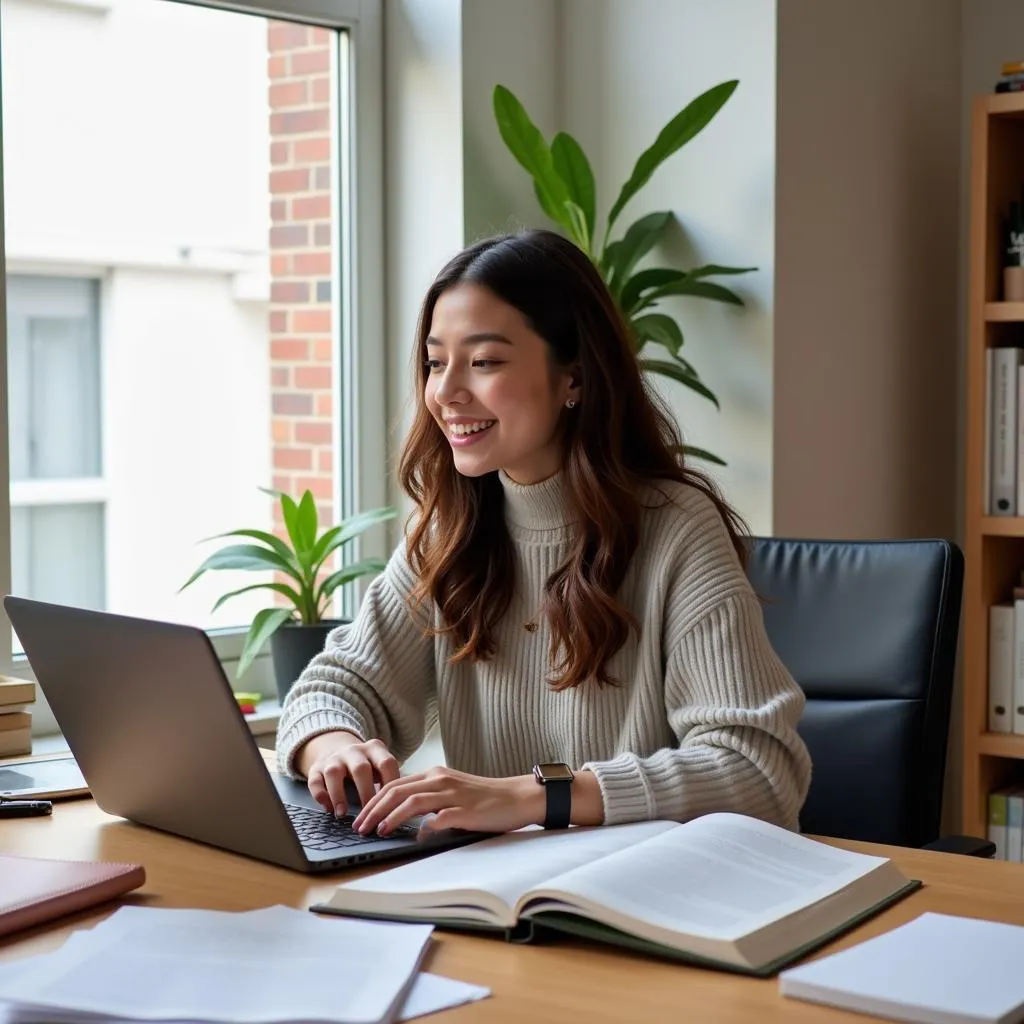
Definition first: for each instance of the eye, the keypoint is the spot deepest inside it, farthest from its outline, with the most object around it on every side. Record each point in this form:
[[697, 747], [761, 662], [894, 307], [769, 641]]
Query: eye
[[432, 365], [486, 364]]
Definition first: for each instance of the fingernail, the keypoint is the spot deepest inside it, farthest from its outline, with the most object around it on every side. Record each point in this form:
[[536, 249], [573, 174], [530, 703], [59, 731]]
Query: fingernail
[[339, 810], [382, 828]]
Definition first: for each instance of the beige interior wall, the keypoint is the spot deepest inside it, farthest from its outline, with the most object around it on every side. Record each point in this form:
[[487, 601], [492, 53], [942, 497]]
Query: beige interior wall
[[866, 312]]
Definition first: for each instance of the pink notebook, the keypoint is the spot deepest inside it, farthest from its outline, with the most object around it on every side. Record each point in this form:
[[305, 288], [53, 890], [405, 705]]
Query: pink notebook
[[33, 890]]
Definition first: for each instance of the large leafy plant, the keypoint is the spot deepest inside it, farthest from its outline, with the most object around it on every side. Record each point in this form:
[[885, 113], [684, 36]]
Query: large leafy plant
[[564, 184], [298, 566]]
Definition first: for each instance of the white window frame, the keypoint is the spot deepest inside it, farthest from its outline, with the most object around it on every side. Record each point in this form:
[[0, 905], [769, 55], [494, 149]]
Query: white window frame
[[359, 311]]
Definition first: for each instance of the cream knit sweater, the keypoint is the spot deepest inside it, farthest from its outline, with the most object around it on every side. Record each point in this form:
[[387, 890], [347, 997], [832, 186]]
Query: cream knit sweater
[[704, 718]]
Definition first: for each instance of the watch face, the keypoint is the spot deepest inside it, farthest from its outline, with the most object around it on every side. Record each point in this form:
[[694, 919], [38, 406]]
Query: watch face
[[554, 772]]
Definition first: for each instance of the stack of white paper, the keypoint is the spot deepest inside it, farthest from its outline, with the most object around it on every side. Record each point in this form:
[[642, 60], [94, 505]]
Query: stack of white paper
[[209, 967], [936, 969]]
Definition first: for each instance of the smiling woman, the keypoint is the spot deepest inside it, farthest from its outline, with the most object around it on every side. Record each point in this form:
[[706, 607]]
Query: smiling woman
[[569, 602]]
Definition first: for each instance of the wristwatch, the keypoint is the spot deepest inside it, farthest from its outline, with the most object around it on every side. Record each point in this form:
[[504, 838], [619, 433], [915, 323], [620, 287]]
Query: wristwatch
[[556, 778]]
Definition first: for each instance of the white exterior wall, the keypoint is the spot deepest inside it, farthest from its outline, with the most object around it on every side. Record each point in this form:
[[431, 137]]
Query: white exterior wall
[[136, 150]]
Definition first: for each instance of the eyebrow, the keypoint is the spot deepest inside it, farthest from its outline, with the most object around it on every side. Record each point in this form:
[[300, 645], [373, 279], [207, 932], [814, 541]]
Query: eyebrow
[[472, 339]]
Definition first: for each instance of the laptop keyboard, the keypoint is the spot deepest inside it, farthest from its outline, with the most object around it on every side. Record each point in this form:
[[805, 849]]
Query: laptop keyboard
[[318, 830]]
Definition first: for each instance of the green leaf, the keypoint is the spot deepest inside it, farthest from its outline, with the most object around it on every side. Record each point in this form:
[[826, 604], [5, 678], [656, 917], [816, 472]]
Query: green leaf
[[290, 512], [687, 286], [351, 572], [527, 145], [270, 539], [607, 259], [660, 329], [264, 625], [710, 269], [573, 167], [345, 531], [675, 372], [703, 453], [634, 245], [243, 556], [280, 588], [307, 522], [654, 277], [580, 232], [683, 127]]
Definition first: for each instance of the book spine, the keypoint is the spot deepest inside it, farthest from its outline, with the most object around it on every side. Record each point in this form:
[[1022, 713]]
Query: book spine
[[1009, 86], [1012, 67], [1016, 697], [1015, 825], [1019, 441], [1001, 647], [997, 823], [986, 469], [1004, 432]]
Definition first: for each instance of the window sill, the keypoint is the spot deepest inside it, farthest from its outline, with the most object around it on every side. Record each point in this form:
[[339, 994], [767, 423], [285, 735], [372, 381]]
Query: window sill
[[262, 724]]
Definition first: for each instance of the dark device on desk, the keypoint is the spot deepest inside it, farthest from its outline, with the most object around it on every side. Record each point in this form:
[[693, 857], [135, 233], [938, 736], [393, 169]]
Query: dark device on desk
[[154, 726]]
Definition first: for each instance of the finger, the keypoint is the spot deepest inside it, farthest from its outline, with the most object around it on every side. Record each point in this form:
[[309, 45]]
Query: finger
[[384, 762], [334, 775], [418, 803], [409, 782], [447, 817], [383, 802], [318, 789], [362, 775]]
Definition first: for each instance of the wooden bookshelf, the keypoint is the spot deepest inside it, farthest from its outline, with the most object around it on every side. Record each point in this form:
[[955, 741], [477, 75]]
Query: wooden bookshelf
[[993, 545]]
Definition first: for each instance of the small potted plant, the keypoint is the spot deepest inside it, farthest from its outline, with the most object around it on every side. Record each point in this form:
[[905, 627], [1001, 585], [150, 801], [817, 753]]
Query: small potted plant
[[301, 574]]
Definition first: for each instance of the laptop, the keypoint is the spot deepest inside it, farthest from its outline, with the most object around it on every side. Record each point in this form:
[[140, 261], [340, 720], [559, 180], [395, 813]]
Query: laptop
[[153, 724]]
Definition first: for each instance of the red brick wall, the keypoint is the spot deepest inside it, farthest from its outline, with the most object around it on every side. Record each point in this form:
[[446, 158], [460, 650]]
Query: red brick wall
[[301, 260]]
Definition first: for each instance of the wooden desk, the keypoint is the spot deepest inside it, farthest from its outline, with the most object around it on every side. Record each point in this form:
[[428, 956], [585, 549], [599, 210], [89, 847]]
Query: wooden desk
[[568, 981]]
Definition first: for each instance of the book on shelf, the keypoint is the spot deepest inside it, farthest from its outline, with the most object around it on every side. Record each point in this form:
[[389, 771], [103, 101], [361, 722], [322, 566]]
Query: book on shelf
[[1006, 665], [1001, 636], [1003, 392], [1012, 67], [1009, 85], [1006, 822], [722, 890]]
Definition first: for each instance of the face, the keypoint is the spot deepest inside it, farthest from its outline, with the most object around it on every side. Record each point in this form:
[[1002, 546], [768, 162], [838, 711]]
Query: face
[[493, 387]]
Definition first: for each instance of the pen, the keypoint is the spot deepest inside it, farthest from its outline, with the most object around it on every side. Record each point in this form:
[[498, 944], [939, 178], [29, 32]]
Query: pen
[[24, 808]]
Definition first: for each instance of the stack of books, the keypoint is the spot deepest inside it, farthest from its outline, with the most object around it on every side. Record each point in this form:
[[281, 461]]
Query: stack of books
[[1011, 77], [16, 697]]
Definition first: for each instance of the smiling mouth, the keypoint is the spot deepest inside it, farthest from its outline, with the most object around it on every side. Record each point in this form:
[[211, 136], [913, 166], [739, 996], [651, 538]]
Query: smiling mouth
[[468, 429], [462, 434]]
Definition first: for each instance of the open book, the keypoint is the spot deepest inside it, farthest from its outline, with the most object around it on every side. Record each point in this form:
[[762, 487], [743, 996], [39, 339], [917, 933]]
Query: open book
[[722, 890]]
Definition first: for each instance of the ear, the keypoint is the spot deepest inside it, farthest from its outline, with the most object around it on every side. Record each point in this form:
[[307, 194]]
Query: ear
[[574, 384]]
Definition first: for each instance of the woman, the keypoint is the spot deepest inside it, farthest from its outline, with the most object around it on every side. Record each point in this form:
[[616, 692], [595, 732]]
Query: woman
[[568, 595]]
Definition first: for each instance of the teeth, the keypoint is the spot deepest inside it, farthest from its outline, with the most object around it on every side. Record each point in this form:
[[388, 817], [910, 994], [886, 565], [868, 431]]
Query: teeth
[[465, 429]]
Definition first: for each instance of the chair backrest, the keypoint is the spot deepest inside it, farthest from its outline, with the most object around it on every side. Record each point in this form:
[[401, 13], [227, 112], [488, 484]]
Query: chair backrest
[[869, 631]]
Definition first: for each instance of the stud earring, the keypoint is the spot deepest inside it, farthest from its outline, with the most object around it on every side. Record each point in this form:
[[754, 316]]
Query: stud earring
[[571, 404]]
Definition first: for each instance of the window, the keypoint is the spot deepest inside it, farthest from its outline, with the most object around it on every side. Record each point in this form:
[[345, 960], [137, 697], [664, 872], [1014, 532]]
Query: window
[[182, 233], [57, 488]]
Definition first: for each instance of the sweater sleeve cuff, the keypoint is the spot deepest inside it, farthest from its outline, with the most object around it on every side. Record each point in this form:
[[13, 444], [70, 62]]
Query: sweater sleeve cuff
[[625, 791], [303, 726]]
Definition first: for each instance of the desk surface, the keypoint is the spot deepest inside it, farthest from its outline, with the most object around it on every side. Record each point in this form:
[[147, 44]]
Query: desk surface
[[567, 981]]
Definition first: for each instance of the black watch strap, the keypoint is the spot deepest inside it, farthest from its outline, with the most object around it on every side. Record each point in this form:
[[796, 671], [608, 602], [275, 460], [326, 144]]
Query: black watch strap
[[559, 803]]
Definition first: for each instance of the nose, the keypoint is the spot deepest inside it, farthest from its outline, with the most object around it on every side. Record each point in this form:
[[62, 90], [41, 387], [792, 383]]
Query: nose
[[449, 388]]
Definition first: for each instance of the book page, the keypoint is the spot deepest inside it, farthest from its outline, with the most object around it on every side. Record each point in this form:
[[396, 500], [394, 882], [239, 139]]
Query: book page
[[721, 876], [504, 867]]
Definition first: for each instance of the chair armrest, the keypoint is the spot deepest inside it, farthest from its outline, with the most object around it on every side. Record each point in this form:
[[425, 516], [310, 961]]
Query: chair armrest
[[969, 846]]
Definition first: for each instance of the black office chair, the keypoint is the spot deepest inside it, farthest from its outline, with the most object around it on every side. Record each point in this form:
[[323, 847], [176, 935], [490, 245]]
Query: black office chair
[[869, 631]]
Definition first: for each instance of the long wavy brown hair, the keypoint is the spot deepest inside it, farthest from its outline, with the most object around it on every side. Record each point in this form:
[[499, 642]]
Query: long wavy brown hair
[[619, 437]]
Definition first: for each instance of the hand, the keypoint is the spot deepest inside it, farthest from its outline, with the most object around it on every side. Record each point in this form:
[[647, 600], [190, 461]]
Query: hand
[[329, 759], [456, 800]]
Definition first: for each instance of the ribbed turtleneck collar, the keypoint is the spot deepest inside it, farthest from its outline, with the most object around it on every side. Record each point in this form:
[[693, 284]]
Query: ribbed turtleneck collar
[[535, 506]]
